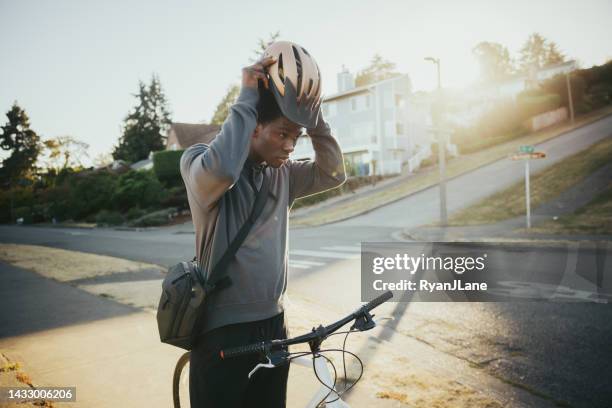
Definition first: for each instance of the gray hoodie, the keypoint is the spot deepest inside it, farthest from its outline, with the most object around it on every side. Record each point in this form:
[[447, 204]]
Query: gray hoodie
[[221, 198]]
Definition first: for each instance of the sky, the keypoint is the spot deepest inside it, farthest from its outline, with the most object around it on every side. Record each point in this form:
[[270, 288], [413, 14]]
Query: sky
[[74, 66]]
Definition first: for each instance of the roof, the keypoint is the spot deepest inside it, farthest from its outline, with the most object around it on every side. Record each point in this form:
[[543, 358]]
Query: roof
[[361, 89], [142, 165], [188, 134]]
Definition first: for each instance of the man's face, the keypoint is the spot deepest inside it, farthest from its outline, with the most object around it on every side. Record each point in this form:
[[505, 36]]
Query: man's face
[[274, 141]]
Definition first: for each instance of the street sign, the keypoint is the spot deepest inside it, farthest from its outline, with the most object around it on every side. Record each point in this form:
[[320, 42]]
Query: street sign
[[527, 153], [526, 156]]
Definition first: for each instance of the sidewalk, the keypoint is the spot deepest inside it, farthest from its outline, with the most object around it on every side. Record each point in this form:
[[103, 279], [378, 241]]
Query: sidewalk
[[111, 353], [68, 334]]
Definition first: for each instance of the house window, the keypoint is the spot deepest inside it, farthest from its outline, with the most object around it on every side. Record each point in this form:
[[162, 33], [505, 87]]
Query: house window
[[353, 104], [367, 101]]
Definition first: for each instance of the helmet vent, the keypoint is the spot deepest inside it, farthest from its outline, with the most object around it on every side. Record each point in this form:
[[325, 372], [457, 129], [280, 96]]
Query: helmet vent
[[281, 71], [310, 82], [298, 63]]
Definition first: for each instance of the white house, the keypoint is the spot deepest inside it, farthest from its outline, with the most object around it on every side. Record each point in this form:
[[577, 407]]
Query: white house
[[380, 126]]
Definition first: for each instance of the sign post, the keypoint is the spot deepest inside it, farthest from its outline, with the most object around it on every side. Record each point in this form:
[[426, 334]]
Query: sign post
[[527, 194], [527, 153]]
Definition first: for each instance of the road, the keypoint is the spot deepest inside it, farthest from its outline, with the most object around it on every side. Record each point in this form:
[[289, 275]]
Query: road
[[551, 352]]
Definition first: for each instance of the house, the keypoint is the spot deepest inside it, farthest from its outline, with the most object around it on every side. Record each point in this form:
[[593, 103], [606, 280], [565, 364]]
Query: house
[[183, 135], [379, 126]]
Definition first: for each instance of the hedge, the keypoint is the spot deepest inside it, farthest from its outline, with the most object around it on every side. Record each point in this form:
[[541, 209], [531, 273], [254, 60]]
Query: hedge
[[166, 165]]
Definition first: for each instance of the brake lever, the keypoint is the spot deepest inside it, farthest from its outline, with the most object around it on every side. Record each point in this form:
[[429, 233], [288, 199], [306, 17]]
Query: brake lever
[[278, 358], [262, 365]]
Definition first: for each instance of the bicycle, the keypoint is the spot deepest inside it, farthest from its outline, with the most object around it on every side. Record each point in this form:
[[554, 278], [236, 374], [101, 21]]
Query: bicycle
[[276, 354]]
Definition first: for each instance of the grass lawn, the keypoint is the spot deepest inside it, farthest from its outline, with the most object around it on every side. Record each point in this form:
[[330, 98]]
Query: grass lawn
[[545, 186], [594, 218]]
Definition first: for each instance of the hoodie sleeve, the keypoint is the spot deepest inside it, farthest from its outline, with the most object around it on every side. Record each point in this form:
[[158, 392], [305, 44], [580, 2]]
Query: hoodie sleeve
[[326, 171], [210, 170]]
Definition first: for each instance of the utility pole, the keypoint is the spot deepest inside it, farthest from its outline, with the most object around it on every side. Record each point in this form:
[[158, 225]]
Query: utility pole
[[569, 96], [441, 136]]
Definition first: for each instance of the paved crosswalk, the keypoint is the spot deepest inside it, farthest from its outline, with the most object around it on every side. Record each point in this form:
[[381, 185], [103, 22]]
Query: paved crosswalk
[[309, 258]]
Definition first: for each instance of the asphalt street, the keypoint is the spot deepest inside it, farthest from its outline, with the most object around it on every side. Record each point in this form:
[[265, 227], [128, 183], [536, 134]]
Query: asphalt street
[[557, 352]]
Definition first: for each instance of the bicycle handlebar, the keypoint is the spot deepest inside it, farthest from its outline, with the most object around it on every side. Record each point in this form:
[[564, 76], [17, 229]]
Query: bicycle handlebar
[[319, 334]]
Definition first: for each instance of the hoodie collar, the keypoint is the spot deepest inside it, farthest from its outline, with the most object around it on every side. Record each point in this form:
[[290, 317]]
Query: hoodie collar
[[255, 167]]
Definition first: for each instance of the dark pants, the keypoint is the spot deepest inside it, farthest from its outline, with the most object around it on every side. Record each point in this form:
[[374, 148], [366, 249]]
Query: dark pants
[[216, 383]]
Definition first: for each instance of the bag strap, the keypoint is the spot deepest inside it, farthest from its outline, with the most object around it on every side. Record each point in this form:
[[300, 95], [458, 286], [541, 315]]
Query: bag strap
[[218, 278]]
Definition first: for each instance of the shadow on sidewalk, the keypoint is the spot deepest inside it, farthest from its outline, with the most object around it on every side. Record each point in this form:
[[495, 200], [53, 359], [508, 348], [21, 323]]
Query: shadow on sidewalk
[[32, 303]]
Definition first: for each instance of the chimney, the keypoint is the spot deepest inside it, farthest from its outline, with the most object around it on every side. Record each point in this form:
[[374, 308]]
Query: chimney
[[346, 80]]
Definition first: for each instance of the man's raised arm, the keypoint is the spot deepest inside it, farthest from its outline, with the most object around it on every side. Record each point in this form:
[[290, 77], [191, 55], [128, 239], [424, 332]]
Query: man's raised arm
[[210, 170], [324, 172]]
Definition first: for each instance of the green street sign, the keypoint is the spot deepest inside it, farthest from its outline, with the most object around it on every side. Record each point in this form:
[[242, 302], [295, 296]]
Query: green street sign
[[526, 149]]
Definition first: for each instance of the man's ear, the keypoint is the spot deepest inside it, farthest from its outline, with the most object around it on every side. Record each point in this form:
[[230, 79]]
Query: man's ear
[[257, 131]]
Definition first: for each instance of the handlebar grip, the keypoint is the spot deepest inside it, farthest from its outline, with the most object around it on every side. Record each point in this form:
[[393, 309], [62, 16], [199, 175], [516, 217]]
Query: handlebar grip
[[378, 301], [243, 350]]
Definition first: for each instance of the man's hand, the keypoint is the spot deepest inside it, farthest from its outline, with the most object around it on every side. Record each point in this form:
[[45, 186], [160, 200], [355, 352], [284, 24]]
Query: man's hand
[[252, 74]]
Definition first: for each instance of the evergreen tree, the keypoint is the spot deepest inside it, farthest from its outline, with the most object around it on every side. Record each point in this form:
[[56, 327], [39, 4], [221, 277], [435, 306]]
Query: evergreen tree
[[538, 53], [145, 127], [553, 55], [494, 59], [22, 142], [378, 70]]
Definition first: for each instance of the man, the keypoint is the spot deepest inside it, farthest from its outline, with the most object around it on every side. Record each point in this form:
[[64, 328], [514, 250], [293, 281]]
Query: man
[[222, 180]]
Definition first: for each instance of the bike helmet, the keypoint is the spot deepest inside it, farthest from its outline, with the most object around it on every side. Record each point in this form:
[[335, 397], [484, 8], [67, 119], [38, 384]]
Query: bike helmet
[[295, 82]]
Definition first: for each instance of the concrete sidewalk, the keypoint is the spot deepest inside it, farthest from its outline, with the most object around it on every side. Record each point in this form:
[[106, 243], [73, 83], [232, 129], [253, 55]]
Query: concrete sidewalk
[[65, 336]]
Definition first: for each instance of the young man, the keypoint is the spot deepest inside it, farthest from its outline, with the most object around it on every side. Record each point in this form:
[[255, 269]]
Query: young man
[[222, 181]]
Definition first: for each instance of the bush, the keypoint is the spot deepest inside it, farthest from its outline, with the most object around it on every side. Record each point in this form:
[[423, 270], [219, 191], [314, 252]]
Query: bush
[[156, 218], [166, 165], [22, 212], [532, 105], [17, 197], [176, 197], [558, 85], [138, 189], [90, 192], [106, 217], [134, 213]]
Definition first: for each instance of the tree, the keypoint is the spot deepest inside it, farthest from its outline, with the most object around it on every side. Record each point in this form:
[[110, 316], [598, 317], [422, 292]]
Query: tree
[[229, 99], [22, 142], [145, 127], [553, 55], [223, 107], [262, 45], [378, 70], [64, 152], [102, 160], [538, 53], [494, 60]]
